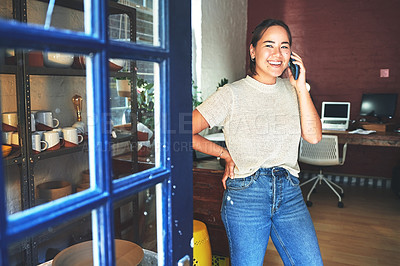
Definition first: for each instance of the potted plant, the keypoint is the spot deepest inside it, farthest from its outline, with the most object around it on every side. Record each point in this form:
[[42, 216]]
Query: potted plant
[[123, 87], [145, 100]]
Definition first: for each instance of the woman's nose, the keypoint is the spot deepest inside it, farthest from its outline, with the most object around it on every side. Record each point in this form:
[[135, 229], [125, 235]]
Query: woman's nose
[[277, 52]]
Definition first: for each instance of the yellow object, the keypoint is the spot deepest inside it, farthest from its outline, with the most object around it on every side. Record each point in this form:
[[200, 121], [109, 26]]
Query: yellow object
[[202, 248], [220, 261], [6, 150]]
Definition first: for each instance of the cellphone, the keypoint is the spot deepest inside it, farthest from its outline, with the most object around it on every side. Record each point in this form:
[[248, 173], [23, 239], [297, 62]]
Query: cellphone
[[294, 68]]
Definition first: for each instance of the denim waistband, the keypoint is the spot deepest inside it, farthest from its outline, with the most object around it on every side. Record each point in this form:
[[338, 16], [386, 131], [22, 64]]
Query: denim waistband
[[275, 171]]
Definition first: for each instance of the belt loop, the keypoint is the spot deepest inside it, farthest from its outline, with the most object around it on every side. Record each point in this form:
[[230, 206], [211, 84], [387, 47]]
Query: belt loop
[[272, 172], [287, 173]]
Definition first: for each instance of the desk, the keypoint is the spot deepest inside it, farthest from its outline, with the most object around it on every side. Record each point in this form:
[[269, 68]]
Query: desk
[[383, 139]]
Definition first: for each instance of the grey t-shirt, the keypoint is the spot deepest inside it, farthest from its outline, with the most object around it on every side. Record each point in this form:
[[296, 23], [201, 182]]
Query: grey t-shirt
[[261, 124]]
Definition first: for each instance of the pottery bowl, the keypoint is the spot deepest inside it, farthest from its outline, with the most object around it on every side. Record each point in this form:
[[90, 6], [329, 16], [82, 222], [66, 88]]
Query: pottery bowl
[[126, 253], [57, 60], [53, 190], [116, 64], [6, 150]]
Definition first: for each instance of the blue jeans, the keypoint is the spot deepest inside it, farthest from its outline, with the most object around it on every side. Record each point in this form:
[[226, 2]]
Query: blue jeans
[[268, 203]]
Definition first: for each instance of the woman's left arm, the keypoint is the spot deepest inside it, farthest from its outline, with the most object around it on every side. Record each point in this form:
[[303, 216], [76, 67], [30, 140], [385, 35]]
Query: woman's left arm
[[311, 129]]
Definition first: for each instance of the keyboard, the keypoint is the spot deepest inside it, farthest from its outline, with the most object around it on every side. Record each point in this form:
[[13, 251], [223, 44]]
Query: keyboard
[[335, 122]]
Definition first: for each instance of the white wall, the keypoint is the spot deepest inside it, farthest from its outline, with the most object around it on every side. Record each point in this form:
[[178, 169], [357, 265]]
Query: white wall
[[219, 32]]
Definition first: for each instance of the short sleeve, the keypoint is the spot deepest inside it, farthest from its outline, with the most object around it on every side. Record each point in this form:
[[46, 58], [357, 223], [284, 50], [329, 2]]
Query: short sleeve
[[216, 108]]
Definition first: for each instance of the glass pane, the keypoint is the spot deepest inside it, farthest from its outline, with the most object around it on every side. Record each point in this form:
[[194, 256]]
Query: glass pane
[[135, 79], [6, 8], [45, 247], [12, 174], [58, 103], [143, 30], [66, 14], [11, 126], [44, 132], [135, 221], [10, 121]]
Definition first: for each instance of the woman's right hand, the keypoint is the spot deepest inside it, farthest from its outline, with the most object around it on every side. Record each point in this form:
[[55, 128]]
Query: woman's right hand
[[229, 170]]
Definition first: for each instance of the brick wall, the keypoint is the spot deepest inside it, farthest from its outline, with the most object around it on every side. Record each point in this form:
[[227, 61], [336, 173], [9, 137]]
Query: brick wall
[[344, 45]]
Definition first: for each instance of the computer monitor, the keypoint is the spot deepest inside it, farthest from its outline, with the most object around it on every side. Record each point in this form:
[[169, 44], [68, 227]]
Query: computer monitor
[[335, 115], [380, 105]]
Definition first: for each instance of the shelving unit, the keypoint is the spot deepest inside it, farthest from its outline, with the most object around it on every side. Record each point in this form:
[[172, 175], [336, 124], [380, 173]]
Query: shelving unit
[[24, 158]]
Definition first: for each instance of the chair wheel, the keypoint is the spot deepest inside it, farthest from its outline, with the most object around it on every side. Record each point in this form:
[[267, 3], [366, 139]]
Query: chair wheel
[[340, 204], [309, 203]]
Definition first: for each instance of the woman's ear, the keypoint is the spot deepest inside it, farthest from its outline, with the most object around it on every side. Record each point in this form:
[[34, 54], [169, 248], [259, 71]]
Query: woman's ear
[[252, 51]]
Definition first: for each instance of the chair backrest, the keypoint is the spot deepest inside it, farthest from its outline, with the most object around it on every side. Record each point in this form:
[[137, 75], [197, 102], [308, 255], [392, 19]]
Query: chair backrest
[[325, 152]]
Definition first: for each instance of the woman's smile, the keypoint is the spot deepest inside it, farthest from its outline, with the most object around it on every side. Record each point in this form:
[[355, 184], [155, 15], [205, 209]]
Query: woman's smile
[[274, 63]]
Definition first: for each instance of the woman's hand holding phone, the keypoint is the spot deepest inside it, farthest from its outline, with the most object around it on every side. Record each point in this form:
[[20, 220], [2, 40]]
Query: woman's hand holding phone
[[296, 61]]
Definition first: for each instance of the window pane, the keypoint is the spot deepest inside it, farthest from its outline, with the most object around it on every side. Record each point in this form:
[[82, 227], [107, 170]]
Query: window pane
[[46, 245], [45, 129], [133, 80], [144, 30], [66, 14], [135, 221], [12, 175], [10, 127], [6, 9], [58, 102], [10, 139]]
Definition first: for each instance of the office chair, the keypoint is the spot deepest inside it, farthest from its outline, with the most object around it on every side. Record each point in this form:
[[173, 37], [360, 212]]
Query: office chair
[[324, 153]]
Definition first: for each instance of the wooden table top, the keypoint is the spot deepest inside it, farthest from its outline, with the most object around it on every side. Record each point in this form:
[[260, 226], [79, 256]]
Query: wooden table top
[[385, 139]]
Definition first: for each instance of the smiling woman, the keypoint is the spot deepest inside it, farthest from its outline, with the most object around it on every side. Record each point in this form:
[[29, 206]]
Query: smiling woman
[[264, 117]]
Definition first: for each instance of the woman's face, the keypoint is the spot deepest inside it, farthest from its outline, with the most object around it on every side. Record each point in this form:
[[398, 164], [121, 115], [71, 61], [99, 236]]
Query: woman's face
[[272, 54]]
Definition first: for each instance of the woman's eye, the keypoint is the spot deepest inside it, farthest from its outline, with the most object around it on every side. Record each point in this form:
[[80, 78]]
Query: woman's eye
[[285, 47], [269, 46]]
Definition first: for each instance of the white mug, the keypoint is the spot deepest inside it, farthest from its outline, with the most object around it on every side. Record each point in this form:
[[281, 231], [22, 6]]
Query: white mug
[[9, 121], [59, 131], [53, 140], [80, 126], [71, 137], [38, 145], [45, 120], [15, 139], [40, 132], [7, 137], [33, 123]]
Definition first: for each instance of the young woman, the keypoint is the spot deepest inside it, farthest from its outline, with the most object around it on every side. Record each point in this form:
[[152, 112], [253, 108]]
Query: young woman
[[263, 117]]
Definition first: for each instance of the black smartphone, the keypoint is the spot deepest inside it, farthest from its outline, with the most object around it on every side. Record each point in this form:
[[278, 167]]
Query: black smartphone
[[294, 68]]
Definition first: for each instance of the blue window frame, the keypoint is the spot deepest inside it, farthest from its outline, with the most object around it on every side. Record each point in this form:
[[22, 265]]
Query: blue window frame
[[173, 171]]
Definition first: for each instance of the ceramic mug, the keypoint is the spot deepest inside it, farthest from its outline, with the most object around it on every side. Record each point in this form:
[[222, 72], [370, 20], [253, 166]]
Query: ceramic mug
[[38, 145], [59, 131], [40, 132], [80, 126], [71, 137], [7, 137], [53, 140], [15, 139], [45, 120], [33, 123], [9, 121]]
